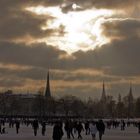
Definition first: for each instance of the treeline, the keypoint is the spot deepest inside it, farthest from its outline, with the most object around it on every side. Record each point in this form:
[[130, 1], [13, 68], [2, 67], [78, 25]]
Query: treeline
[[123, 107]]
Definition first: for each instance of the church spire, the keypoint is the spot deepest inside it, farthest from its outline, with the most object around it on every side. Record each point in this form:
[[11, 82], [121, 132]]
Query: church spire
[[130, 110], [130, 92], [47, 90], [103, 97]]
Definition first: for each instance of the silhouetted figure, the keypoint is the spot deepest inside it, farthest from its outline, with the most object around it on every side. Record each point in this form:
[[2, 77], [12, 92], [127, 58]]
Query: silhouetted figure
[[3, 130], [43, 128], [79, 129], [17, 126], [139, 127], [100, 128], [87, 128], [122, 125], [3, 122], [11, 123], [69, 129], [0, 127], [57, 131], [93, 130], [74, 126], [35, 126]]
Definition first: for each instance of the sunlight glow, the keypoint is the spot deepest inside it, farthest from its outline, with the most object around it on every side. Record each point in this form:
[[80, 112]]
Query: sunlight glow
[[82, 29], [74, 6]]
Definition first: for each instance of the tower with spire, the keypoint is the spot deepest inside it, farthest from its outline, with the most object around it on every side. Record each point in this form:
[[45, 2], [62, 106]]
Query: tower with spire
[[103, 96], [130, 102], [130, 94], [130, 91], [47, 89]]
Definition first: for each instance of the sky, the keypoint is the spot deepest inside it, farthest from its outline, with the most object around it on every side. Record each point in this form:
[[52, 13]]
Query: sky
[[81, 42]]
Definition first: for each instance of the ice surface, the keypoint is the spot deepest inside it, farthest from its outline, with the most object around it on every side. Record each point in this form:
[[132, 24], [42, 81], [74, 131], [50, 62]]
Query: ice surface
[[26, 133]]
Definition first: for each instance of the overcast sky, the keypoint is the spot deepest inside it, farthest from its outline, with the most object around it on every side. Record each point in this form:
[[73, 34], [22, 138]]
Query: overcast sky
[[82, 42]]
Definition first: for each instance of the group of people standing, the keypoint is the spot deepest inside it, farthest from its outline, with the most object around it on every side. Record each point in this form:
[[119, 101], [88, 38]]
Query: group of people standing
[[95, 127], [73, 127], [35, 126], [15, 123]]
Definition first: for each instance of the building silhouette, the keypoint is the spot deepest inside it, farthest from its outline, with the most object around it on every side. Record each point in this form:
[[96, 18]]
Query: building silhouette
[[103, 96], [130, 103], [130, 91], [47, 89]]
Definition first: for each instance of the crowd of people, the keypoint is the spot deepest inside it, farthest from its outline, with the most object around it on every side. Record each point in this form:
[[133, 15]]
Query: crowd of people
[[72, 128], [76, 127]]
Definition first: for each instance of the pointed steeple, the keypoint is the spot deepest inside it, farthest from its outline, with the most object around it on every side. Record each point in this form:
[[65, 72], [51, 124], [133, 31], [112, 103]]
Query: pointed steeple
[[130, 92], [47, 90], [130, 110], [103, 97]]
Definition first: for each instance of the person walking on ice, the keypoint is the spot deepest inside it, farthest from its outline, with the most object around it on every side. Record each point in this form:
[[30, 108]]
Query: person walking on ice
[[57, 131], [35, 127], [100, 128], [93, 130]]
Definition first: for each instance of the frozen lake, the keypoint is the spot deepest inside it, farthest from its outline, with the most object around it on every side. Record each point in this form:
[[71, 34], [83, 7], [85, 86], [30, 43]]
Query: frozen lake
[[26, 133]]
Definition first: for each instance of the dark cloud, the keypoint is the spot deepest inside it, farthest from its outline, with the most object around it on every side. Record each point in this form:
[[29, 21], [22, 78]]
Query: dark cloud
[[22, 25], [120, 57], [10, 82], [17, 23], [4, 83], [121, 28], [114, 59], [125, 5], [29, 73], [36, 73], [40, 54]]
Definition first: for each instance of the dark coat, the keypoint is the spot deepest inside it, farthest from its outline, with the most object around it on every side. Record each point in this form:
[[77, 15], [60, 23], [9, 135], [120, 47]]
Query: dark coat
[[57, 132], [17, 124], [101, 126], [35, 124], [139, 125], [79, 127]]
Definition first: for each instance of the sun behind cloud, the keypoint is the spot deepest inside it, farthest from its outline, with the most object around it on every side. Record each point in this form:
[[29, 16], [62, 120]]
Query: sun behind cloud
[[82, 29]]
